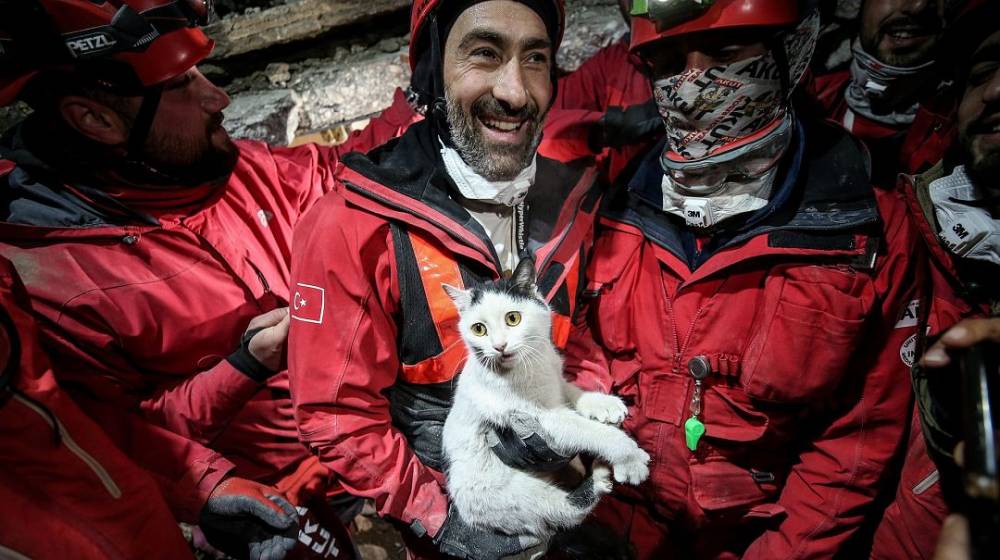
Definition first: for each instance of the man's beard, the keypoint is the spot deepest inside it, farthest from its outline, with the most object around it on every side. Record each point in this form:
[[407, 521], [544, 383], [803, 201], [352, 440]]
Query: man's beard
[[983, 165], [192, 165], [982, 158], [493, 162]]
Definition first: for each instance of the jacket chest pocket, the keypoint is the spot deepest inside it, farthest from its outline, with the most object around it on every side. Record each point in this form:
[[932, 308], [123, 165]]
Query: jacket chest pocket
[[810, 323], [611, 279]]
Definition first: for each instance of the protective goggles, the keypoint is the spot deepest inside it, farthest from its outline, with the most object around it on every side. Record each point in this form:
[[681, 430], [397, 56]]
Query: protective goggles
[[749, 160], [670, 13], [132, 31]]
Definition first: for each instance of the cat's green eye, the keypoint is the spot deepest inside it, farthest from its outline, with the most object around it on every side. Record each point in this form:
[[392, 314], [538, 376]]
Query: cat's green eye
[[512, 318], [478, 329]]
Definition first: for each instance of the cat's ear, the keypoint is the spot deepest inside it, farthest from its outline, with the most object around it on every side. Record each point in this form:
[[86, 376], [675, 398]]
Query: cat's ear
[[524, 275], [462, 298]]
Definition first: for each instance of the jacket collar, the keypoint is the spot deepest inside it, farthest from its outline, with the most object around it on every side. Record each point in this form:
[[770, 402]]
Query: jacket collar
[[405, 180], [40, 195]]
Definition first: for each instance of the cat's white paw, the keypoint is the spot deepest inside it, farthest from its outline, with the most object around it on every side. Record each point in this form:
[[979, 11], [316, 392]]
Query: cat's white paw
[[601, 407], [601, 474], [634, 469]]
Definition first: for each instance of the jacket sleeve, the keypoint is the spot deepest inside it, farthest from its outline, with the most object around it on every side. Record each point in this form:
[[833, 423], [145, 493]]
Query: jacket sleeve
[[306, 172], [581, 100], [840, 472], [390, 123], [185, 471], [200, 406], [585, 362], [343, 360]]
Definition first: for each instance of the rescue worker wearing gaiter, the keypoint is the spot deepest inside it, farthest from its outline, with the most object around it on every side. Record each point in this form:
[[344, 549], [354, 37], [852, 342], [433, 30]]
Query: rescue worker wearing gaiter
[[744, 298], [156, 250], [894, 66], [955, 207], [603, 106], [459, 198]]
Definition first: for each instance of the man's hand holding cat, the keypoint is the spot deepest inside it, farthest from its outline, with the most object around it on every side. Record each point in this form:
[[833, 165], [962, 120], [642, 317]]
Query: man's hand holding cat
[[608, 409], [461, 540]]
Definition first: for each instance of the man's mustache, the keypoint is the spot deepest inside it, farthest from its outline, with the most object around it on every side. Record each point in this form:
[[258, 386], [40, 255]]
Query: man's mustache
[[924, 23], [988, 122], [489, 106]]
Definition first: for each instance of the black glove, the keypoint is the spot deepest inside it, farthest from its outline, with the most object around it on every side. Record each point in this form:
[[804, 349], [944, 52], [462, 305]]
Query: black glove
[[468, 543], [622, 127], [526, 453], [245, 519], [522, 446]]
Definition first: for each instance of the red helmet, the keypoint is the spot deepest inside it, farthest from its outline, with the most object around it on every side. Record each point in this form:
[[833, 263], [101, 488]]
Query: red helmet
[[657, 19], [423, 8], [155, 39]]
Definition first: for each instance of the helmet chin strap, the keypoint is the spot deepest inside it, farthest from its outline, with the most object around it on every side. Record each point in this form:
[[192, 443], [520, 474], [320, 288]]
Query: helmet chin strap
[[136, 168], [143, 122]]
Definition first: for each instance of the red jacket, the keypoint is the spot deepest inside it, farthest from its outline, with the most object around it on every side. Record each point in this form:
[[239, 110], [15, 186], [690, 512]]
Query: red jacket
[[913, 149], [913, 521], [139, 318], [66, 490], [372, 356], [797, 316], [611, 78]]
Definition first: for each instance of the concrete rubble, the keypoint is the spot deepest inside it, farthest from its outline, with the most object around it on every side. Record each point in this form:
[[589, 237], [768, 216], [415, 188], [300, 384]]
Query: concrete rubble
[[314, 69], [339, 92]]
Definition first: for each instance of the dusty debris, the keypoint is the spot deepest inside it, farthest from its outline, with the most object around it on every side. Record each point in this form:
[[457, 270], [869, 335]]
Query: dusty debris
[[358, 80], [271, 116], [295, 20]]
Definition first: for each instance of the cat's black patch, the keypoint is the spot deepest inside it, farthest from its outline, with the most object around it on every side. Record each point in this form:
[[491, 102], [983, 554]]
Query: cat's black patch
[[583, 496], [505, 286]]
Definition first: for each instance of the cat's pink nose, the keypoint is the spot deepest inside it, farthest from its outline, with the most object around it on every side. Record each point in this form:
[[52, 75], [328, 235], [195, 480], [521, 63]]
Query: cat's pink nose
[[500, 347]]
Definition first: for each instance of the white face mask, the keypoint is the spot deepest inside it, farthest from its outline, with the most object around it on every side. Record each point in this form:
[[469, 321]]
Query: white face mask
[[967, 230], [706, 211], [713, 192], [474, 187], [883, 93]]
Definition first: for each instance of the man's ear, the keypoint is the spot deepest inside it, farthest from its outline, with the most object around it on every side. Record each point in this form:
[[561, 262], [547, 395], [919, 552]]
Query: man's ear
[[94, 120]]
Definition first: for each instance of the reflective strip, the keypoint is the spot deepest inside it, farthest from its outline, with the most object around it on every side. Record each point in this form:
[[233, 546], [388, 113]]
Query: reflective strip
[[560, 329], [927, 482], [436, 269], [67, 440]]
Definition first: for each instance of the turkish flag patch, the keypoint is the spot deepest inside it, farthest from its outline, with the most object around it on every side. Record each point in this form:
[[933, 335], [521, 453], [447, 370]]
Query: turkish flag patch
[[308, 303]]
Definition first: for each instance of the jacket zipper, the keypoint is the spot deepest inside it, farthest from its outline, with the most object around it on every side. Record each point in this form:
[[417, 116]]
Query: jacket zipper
[[565, 232], [70, 443]]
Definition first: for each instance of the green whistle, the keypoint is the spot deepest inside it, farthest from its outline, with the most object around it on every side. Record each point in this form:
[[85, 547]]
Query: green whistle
[[693, 430], [639, 8]]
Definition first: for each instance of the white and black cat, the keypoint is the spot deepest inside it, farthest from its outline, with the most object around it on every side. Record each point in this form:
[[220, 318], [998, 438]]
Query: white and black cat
[[513, 377]]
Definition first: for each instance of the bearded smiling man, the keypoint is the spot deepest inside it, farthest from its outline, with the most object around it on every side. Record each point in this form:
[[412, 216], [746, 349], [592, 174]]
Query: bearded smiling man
[[459, 198], [894, 68]]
